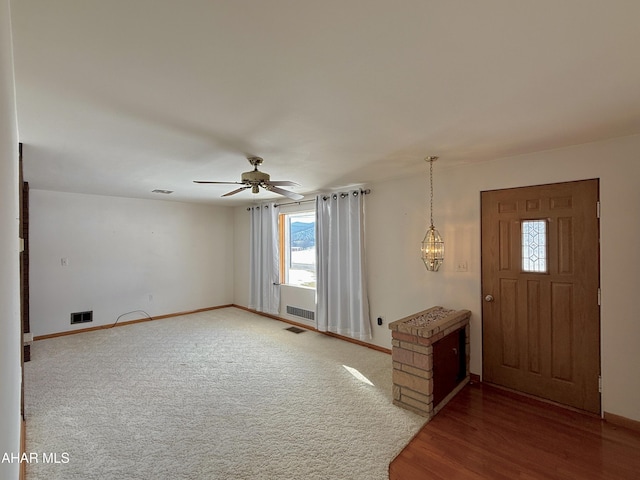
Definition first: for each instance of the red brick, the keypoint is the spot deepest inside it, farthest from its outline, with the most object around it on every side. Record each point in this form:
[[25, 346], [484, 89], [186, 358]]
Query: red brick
[[403, 336]]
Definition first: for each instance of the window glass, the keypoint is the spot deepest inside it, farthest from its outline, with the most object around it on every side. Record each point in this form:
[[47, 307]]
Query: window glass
[[298, 248], [534, 246]]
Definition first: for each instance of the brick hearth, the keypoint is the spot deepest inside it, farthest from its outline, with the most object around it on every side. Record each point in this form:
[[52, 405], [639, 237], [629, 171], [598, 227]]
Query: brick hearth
[[413, 340]]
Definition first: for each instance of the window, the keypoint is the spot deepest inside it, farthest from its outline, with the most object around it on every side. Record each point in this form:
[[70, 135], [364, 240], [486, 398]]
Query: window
[[534, 246], [298, 248]]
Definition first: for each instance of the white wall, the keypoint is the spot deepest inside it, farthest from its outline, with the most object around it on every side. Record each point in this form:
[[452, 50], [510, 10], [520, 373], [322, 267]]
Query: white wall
[[296, 297], [397, 217], [10, 331], [241, 252], [125, 255]]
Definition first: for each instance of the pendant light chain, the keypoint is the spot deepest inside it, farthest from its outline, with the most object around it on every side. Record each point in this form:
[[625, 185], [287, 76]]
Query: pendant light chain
[[431, 189]]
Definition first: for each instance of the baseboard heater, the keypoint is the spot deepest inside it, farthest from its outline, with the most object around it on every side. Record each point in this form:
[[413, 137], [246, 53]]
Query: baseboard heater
[[301, 312]]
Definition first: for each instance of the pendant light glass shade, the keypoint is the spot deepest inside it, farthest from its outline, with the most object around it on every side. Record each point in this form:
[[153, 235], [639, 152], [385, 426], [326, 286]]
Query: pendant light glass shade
[[432, 244], [432, 249]]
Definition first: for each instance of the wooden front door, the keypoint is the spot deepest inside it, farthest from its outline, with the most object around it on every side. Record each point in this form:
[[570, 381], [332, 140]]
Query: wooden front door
[[540, 283]]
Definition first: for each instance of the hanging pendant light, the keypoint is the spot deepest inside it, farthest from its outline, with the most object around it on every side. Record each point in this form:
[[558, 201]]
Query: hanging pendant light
[[432, 244]]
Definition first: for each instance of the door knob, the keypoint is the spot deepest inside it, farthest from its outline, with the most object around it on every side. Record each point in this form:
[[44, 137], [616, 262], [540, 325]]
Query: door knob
[[489, 298]]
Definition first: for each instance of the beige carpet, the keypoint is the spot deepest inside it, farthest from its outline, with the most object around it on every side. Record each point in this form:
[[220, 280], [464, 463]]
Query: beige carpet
[[224, 394]]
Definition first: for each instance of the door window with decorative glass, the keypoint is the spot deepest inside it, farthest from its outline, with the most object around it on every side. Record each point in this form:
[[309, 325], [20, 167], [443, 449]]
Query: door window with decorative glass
[[534, 246]]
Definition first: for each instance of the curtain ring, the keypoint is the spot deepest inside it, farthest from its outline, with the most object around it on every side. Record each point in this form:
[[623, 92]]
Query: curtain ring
[[355, 193], [335, 197], [342, 195]]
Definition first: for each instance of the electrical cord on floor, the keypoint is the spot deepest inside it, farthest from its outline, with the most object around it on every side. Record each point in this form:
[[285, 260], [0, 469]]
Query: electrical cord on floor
[[128, 313]]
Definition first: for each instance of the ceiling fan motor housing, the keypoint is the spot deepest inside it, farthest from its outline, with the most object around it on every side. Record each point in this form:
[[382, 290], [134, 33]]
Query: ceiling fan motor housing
[[255, 177]]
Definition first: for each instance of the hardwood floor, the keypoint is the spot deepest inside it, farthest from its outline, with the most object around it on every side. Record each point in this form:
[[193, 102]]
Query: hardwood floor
[[488, 433]]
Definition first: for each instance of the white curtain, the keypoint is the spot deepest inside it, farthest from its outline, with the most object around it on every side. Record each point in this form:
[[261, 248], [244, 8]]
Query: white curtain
[[343, 305], [264, 283]]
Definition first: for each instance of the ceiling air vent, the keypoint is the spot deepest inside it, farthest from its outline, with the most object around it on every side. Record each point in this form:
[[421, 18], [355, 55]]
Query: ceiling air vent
[[82, 317], [164, 192]]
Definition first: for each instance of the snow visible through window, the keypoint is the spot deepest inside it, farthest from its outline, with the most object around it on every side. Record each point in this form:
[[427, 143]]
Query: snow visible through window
[[299, 249]]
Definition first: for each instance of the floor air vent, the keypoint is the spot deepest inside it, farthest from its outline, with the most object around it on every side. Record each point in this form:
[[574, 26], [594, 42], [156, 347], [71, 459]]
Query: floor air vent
[[295, 329], [82, 317], [301, 312]]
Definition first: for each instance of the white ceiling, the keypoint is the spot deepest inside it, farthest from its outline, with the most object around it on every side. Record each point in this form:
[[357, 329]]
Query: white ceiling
[[121, 97]]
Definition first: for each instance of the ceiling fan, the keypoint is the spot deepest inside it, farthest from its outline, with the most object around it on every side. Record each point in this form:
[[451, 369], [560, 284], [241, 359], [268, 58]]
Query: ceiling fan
[[256, 179]]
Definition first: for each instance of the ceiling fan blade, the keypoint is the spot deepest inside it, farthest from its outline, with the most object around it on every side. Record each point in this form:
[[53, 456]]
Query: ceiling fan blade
[[283, 183], [222, 183], [237, 190], [286, 193]]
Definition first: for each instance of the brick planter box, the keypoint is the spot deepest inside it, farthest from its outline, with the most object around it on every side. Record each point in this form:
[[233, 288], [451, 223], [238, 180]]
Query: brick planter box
[[430, 352]]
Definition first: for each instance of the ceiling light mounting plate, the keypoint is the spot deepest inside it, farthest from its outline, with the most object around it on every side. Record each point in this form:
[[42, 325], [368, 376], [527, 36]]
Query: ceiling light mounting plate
[[255, 161]]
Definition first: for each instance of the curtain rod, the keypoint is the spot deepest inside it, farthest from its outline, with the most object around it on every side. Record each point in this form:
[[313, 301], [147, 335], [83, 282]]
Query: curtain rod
[[363, 192], [343, 194], [295, 203]]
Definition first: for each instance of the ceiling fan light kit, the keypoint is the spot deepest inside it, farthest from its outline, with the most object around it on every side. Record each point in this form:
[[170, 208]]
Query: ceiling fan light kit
[[255, 179]]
